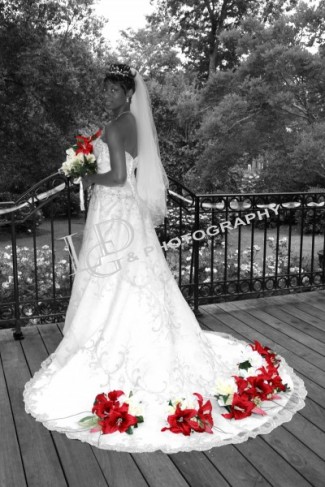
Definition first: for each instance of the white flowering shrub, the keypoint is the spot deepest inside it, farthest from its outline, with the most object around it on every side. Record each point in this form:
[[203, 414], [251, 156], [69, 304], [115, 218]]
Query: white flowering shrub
[[27, 275], [249, 267]]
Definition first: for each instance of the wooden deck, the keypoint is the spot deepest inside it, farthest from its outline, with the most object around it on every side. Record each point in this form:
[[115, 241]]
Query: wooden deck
[[292, 455]]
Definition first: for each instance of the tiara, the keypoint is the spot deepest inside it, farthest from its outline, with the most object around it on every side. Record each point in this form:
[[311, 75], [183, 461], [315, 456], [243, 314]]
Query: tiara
[[122, 70]]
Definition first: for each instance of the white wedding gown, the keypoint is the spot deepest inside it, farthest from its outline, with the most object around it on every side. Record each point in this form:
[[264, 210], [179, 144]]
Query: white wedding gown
[[128, 327]]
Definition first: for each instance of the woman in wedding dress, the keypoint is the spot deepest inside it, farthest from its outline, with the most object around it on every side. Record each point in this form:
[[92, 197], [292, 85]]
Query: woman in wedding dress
[[128, 327]]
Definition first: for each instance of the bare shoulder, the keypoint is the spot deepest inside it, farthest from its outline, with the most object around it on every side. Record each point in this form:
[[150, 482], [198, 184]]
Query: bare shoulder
[[125, 121]]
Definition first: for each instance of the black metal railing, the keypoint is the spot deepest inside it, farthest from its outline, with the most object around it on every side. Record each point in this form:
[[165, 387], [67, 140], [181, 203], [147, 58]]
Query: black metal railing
[[218, 246]]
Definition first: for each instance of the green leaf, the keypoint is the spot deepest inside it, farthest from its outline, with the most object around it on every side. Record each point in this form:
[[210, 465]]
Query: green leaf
[[225, 397], [245, 365], [140, 419], [129, 431], [89, 421]]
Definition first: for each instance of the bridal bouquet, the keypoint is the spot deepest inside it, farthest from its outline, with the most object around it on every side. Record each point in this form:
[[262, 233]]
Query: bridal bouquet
[[185, 417], [111, 415], [80, 161], [257, 380]]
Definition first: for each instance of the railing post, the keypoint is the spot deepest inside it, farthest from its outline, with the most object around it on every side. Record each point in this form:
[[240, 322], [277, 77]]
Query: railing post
[[17, 334], [196, 256]]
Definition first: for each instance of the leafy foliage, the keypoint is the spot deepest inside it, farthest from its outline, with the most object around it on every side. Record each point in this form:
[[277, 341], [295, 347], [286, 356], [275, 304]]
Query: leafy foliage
[[50, 67], [271, 106], [199, 25]]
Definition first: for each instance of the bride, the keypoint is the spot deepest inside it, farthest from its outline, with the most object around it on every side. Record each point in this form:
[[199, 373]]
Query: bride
[[134, 371]]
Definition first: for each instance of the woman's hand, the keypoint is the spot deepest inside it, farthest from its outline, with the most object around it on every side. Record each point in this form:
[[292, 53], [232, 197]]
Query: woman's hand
[[87, 181]]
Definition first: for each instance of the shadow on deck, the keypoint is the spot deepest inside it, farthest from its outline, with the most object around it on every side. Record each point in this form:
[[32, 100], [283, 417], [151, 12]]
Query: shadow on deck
[[291, 455]]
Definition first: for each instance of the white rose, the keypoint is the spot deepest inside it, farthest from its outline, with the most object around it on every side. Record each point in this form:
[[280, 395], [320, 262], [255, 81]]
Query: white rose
[[91, 158], [170, 410], [225, 386], [188, 404], [79, 157], [66, 167], [254, 358], [70, 153], [135, 407]]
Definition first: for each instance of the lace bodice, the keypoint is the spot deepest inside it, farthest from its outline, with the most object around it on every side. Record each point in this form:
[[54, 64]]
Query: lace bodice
[[101, 153]]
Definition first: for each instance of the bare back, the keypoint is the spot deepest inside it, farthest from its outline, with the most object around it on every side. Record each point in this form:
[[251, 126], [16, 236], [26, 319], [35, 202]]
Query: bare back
[[128, 128]]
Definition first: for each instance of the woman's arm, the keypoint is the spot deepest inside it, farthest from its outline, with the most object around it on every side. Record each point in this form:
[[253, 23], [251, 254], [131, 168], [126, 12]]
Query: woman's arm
[[117, 175]]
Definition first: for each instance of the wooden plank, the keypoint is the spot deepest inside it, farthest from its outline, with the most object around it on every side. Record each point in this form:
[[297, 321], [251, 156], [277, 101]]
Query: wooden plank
[[287, 330], [9, 448], [198, 470], [120, 469], [315, 391], [264, 323], [313, 410], [281, 468], [110, 461], [303, 314], [151, 472], [298, 363], [260, 302], [317, 300], [304, 461], [308, 434], [159, 469], [209, 320], [311, 310], [235, 468], [77, 459], [298, 323], [36, 444], [292, 298], [272, 466]]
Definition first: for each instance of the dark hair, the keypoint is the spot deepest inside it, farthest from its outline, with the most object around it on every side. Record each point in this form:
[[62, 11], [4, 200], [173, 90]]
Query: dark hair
[[121, 73]]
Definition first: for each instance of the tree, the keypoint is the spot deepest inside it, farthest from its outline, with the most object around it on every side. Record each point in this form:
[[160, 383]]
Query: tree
[[271, 106], [152, 51], [175, 106], [199, 25], [51, 54]]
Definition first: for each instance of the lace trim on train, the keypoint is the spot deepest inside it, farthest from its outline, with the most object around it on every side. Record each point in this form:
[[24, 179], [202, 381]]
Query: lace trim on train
[[198, 442]]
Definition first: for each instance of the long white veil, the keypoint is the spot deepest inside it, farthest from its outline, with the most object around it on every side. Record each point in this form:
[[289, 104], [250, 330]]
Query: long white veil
[[152, 180]]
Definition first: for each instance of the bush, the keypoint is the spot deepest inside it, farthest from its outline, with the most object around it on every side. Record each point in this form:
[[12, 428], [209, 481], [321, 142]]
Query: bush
[[59, 205], [26, 275], [313, 221], [26, 280]]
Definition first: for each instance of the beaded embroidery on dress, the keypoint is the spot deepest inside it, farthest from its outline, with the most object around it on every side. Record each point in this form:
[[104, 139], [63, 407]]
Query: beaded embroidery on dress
[[128, 327]]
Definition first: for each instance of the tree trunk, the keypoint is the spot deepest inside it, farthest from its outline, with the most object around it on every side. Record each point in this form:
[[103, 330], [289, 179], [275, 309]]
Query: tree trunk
[[213, 59]]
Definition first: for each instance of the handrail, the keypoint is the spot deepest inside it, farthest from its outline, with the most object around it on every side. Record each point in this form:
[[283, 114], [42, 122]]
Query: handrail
[[60, 188], [204, 204]]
